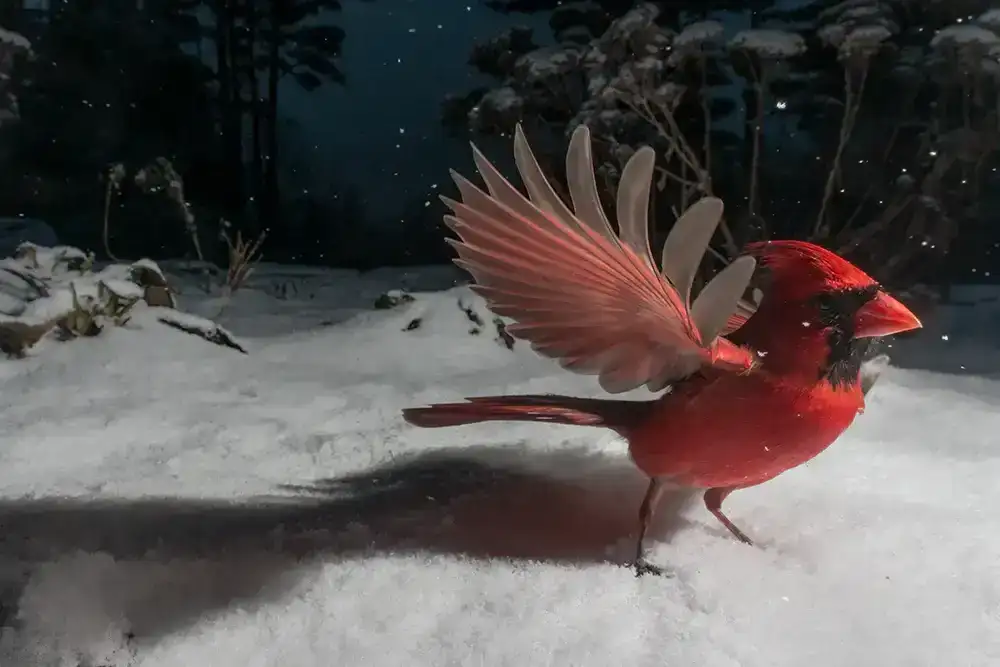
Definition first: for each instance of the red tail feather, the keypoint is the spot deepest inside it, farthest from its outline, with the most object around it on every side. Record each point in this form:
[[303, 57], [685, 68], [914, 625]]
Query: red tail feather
[[553, 409]]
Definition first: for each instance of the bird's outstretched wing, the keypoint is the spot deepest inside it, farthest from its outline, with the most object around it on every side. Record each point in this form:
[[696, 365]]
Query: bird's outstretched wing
[[580, 293]]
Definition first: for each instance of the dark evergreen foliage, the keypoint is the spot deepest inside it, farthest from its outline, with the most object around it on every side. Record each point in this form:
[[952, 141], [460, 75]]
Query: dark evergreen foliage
[[195, 81], [867, 130]]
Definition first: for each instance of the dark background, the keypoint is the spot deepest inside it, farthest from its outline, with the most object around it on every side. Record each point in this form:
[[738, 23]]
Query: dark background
[[343, 148]]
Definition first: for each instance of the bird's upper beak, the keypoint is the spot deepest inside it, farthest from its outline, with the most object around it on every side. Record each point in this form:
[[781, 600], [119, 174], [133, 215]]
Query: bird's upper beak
[[884, 316]]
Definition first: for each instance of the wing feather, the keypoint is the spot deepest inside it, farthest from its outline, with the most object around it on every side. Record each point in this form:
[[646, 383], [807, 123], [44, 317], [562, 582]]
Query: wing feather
[[745, 308], [713, 308], [687, 243], [633, 202], [582, 184], [579, 293], [539, 189]]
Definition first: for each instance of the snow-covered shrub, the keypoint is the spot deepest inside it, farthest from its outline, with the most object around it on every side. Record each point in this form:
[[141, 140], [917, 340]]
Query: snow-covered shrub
[[857, 29], [759, 56], [160, 176], [642, 82], [391, 299], [628, 84], [864, 124], [56, 291]]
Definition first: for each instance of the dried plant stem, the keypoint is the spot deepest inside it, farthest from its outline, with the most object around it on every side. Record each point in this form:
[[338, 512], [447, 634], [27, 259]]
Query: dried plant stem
[[662, 119], [113, 178], [886, 154], [706, 115], [175, 190], [161, 174], [672, 131], [852, 103], [242, 257], [758, 134], [685, 182], [872, 228], [106, 236]]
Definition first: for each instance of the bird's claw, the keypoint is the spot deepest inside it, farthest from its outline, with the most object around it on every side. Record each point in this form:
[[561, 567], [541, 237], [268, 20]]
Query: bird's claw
[[643, 567]]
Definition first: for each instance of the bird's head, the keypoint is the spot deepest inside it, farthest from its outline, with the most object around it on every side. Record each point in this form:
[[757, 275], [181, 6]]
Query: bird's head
[[812, 295], [803, 273]]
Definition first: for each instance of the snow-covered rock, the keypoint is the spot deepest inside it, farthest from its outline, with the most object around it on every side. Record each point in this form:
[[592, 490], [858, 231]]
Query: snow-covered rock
[[55, 290], [15, 231]]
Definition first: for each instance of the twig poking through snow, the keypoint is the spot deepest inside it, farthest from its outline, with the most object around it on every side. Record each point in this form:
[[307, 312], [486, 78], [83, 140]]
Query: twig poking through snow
[[200, 327]]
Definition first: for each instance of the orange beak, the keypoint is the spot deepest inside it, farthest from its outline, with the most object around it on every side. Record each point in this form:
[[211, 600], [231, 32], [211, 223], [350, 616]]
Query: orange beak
[[884, 316]]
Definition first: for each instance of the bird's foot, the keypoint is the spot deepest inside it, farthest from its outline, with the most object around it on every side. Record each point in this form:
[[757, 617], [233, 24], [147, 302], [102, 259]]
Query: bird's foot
[[740, 535], [643, 567]]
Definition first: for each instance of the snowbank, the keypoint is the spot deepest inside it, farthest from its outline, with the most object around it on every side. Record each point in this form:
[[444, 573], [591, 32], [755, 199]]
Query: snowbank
[[167, 502]]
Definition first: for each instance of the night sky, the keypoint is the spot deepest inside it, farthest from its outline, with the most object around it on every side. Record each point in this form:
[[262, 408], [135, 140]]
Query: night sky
[[382, 132]]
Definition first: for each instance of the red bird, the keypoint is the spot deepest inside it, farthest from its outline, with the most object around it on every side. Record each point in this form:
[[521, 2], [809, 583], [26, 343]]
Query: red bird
[[753, 389]]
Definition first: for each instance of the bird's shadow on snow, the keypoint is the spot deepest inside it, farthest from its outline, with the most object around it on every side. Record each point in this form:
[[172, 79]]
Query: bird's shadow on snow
[[504, 502], [163, 564]]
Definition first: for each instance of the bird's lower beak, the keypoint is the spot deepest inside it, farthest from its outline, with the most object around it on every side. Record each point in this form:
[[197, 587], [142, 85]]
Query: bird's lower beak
[[884, 316]]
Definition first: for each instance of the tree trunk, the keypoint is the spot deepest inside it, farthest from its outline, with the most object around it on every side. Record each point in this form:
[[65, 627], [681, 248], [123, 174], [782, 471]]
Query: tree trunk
[[273, 195], [257, 195], [229, 112]]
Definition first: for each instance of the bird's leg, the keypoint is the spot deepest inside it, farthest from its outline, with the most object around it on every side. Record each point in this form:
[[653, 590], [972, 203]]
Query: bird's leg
[[713, 501], [649, 502]]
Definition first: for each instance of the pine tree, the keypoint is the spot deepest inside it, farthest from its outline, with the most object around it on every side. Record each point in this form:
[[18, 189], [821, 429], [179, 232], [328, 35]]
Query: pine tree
[[258, 44], [105, 86]]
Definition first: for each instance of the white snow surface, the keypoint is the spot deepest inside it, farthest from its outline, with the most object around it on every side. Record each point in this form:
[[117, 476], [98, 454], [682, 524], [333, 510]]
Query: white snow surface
[[169, 502]]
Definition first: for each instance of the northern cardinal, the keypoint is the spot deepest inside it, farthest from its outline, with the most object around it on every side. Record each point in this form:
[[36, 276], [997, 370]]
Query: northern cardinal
[[753, 389]]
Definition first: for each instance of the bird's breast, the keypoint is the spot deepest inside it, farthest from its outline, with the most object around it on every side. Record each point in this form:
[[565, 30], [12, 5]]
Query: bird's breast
[[740, 430]]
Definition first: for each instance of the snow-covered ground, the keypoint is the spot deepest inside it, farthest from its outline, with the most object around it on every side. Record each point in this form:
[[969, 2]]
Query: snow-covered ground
[[167, 502]]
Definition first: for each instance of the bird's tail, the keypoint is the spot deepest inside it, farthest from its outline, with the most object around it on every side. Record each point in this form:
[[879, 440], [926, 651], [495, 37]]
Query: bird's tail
[[614, 414]]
